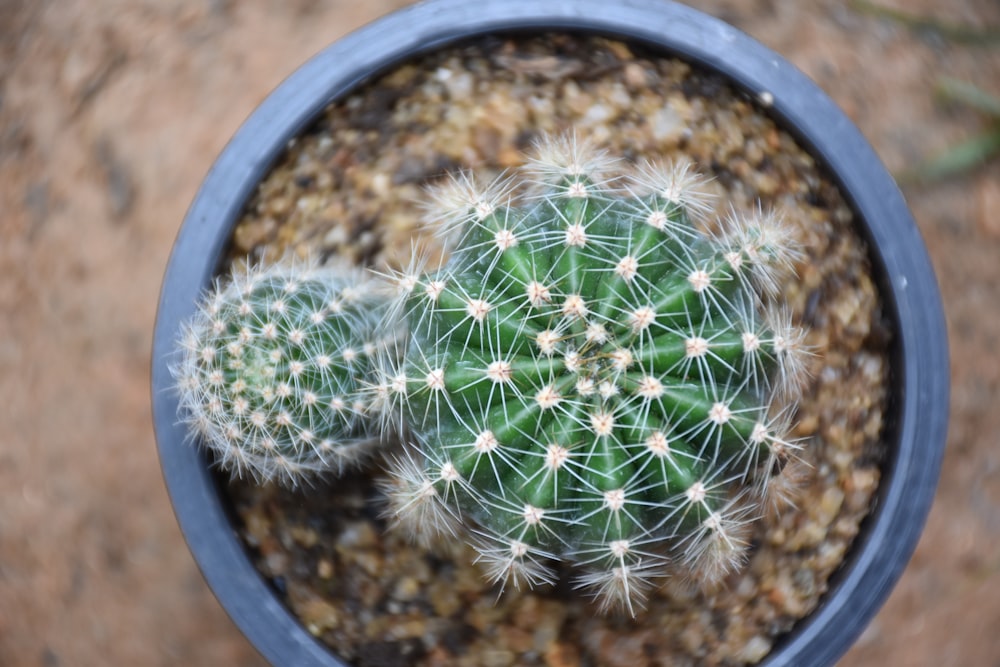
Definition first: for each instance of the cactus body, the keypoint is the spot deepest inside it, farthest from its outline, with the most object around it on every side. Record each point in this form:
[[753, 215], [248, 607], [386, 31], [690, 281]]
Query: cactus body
[[592, 378], [274, 368]]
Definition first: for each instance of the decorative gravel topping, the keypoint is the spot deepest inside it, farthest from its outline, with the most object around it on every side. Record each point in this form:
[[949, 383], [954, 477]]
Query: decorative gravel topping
[[347, 186]]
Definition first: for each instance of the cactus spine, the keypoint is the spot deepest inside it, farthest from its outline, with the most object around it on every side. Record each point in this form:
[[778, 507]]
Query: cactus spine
[[273, 370], [593, 378]]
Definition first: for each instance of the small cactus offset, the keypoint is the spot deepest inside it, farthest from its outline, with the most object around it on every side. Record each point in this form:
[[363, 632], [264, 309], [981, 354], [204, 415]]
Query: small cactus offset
[[591, 377], [273, 371]]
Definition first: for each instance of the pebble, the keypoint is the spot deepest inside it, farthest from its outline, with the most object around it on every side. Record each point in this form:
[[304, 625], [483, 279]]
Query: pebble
[[255, 233], [666, 124], [562, 654], [445, 602], [496, 658], [318, 615], [635, 76], [406, 589], [305, 537], [755, 650], [276, 562], [829, 505], [358, 535]]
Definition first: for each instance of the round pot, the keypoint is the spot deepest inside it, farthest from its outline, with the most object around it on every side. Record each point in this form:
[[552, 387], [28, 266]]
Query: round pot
[[917, 413]]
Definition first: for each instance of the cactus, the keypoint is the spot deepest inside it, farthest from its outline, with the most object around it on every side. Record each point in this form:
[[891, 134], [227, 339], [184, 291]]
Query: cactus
[[594, 377], [273, 370]]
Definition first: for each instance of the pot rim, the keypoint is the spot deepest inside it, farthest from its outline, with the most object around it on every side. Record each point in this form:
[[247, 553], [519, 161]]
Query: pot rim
[[919, 361]]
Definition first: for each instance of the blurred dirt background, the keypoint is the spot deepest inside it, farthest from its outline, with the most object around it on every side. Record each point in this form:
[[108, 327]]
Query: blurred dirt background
[[111, 112]]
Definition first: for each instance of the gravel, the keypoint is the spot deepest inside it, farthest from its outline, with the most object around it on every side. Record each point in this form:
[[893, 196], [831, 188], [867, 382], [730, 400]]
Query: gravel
[[351, 186]]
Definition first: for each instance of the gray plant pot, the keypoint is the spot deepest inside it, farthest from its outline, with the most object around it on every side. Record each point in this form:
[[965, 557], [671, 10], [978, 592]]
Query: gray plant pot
[[917, 415]]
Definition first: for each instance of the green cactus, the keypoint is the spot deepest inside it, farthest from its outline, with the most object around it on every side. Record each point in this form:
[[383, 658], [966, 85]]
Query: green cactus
[[273, 370], [594, 378]]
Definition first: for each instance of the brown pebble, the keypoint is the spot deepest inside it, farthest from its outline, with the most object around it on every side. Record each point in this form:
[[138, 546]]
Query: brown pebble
[[755, 649], [306, 537], [249, 235], [562, 654], [406, 589], [497, 658], [634, 76]]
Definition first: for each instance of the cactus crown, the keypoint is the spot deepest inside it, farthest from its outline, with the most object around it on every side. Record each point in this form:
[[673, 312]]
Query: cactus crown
[[273, 366], [592, 377]]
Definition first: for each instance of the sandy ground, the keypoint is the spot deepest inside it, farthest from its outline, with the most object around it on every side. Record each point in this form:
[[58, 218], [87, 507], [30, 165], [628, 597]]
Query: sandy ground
[[111, 112]]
